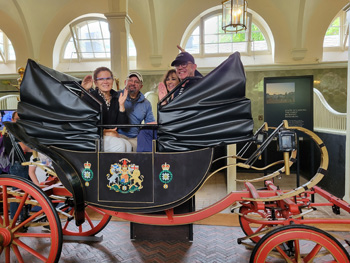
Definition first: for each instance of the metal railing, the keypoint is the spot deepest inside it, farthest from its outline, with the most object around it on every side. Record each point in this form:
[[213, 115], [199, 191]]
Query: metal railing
[[9, 102], [326, 119]]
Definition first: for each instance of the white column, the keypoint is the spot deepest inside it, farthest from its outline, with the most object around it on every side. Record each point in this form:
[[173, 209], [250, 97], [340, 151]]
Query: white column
[[347, 148], [119, 27]]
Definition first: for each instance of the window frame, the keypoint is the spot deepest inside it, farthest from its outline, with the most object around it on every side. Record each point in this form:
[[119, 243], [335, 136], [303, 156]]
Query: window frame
[[250, 52], [5, 55], [343, 33], [71, 34]]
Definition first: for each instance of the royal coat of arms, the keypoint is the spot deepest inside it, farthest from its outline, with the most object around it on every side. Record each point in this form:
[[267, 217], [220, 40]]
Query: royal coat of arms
[[124, 177]]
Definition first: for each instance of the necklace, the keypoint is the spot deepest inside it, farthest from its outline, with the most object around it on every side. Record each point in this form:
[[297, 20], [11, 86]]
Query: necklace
[[107, 101]]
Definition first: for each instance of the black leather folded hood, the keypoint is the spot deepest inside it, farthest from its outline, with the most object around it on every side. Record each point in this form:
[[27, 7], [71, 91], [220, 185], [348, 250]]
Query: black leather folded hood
[[52, 113], [212, 111]]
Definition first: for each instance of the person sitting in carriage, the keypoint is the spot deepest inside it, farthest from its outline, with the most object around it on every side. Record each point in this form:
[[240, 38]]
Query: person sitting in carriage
[[113, 107], [185, 67]]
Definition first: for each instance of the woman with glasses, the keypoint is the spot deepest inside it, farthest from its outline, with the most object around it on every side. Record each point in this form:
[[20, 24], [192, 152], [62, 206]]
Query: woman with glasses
[[113, 109]]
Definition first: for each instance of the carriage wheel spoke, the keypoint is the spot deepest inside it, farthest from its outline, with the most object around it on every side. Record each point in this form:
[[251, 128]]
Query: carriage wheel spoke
[[30, 250], [18, 254], [19, 209], [297, 251], [284, 255], [7, 255], [313, 253], [87, 217], [5, 206]]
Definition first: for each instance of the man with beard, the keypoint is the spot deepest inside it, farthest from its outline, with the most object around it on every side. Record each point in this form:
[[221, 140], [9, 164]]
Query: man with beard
[[137, 108]]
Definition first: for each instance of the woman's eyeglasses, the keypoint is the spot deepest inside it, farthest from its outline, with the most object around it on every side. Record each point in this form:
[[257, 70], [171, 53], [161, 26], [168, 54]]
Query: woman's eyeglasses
[[102, 79]]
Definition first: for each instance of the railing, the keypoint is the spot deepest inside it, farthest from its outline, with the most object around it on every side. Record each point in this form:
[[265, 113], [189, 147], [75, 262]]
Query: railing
[[9, 102], [326, 119]]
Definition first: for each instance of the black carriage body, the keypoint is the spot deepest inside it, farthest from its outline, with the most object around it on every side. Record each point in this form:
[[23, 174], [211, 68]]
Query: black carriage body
[[161, 180], [58, 123]]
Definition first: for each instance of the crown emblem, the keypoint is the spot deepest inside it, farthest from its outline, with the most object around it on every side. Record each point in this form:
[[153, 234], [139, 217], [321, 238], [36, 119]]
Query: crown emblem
[[87, 165], [165, 166]]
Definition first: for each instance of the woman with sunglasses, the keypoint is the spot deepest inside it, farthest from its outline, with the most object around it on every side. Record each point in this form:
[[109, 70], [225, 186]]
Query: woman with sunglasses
[[113, 110]]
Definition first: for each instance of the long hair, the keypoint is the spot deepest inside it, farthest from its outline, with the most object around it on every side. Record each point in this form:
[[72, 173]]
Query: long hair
[[170, 72]]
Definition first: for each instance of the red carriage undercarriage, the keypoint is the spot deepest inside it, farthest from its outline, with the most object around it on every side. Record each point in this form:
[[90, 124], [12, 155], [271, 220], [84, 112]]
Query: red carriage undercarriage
[[132, 186]]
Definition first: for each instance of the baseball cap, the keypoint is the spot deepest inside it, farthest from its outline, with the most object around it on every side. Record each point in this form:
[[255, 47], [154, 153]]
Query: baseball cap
[[136, 74], [183, 57]]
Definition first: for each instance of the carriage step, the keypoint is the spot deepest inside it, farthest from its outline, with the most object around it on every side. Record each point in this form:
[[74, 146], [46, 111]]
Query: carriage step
[[69, 238]]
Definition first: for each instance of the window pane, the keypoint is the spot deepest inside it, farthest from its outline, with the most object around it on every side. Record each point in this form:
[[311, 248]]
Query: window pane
[[107, 46], [240, 47], [70, 51], [211, 39], [211, 25], [239, 37], [196, 31], [225, 38], [83, 32], [98, 46], [87, 55], [211, 48], [192, 45], [11, 51], [259, 45], [85, 46], [95, 30], [225, 48], [100, 55], [332, 37], [105, 30]]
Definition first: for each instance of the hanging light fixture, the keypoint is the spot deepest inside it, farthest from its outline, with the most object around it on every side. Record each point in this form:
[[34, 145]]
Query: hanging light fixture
[[234, 15]]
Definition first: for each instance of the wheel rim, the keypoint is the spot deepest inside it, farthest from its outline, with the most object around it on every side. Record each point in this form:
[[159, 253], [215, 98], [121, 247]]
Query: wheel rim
[[297, 243], [248, 227], [25, 240], [95, 221]]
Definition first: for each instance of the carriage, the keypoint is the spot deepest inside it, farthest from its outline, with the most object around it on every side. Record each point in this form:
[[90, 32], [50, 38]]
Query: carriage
[[133, 186]]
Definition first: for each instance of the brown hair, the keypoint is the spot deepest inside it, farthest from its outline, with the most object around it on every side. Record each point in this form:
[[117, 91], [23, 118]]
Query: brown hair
[[170, 72], [98, 70]]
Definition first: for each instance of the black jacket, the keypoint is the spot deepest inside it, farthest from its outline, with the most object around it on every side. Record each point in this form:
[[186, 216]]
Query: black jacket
[[111, 115]]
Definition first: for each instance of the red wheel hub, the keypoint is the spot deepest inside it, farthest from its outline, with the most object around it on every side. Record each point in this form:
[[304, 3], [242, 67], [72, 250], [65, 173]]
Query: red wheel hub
[[6, 237]]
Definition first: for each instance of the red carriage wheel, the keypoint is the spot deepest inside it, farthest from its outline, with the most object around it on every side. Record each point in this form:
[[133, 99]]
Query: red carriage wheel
[[23, 240], [95, 221], [248, 227], [298, 243]]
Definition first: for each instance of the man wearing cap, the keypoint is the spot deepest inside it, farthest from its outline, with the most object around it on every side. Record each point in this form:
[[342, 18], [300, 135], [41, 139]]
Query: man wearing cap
[[185, 67], [137, 108]]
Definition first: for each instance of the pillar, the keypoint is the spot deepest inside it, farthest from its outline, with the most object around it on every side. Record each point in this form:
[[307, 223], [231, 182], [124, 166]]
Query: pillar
[[347, 145], [119, 27]]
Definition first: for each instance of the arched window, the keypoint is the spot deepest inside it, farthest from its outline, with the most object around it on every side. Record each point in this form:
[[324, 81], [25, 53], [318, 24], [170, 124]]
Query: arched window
[[207, 37], [90, 40], [7, 52], [337, 35]]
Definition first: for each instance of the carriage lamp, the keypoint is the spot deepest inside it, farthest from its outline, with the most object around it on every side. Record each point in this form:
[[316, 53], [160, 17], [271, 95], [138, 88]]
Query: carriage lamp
[[234, 15], [260, 138], [286, 143]]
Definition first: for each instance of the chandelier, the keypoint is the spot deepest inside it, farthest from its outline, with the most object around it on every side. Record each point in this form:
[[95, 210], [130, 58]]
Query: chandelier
[[234, 15]]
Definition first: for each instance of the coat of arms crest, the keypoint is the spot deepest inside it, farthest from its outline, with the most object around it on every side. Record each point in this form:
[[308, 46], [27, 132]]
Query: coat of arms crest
[[124, 177]]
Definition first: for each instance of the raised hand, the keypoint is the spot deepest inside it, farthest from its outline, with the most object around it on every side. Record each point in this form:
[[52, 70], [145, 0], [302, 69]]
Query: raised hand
[[87, 82], [122, 98], [162, 91]]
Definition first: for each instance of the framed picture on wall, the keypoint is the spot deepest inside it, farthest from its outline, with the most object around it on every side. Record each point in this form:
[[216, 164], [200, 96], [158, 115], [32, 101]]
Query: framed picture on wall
[[289, 98]]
